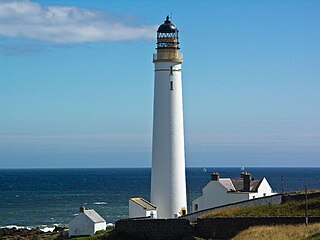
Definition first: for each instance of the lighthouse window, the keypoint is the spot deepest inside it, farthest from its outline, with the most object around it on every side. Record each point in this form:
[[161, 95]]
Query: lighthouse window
[[171, 85], [171, 70]]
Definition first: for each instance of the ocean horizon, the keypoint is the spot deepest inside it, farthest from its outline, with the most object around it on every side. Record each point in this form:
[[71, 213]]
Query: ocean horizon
[[42, 197]]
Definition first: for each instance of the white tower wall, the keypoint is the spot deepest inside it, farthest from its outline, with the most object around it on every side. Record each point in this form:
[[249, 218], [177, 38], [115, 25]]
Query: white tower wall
[[168, 181]]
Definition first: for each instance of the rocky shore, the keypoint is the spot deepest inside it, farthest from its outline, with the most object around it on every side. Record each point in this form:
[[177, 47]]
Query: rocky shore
[[31, 234]]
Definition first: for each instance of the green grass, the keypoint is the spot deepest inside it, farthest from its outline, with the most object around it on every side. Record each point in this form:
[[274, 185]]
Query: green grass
[[292, 208], [100, 235]]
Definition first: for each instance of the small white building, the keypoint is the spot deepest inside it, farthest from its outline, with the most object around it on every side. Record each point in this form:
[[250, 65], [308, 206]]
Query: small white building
[[222, 191], [86, 223], [139, 207]]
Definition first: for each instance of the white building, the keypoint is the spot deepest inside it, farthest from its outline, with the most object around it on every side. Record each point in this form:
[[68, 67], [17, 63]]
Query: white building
[[86, 223], [222, 191], [168, 180], [139, 207]]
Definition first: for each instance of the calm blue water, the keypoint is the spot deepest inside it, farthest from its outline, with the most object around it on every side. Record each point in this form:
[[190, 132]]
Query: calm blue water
[[33, 197]]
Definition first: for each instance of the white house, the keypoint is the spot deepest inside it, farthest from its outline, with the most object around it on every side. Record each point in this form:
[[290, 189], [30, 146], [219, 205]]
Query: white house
[[86, 223], [222, 191], [139, 207]]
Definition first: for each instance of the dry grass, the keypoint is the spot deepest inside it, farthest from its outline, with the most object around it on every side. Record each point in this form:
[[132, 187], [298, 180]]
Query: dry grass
[[285, 232], [292, 208]]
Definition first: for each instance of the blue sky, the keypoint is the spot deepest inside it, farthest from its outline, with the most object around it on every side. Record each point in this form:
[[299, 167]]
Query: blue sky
[[76, 82]]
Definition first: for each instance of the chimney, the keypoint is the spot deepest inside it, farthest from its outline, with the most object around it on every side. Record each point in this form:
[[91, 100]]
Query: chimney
[[246, 181], [82, 209], [215, 176]]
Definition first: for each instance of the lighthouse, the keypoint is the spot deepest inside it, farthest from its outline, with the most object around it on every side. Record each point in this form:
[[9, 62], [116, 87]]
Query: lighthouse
[[168, 180]]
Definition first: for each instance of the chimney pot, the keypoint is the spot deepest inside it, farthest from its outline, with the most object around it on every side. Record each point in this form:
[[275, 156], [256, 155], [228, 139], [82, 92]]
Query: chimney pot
[[215, 176], [82, 209], [246, 181]]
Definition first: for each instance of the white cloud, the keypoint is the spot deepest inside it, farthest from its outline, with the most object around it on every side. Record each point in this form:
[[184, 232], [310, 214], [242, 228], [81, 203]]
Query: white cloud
[[25, 19]]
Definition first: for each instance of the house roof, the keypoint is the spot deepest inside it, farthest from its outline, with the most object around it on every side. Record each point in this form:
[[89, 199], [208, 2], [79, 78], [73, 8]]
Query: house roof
[[144, 203], [94, 216], [236, 184], [227, 183]]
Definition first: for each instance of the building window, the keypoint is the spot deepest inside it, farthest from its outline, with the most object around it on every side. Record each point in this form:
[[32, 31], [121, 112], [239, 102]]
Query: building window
[[171, 85], [171, 70], [196, 207]]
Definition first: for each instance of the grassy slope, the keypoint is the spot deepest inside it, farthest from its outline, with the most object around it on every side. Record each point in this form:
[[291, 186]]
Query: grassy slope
[[97, 236], [109, 234], [293, 208], [47, 236], [289, 232]]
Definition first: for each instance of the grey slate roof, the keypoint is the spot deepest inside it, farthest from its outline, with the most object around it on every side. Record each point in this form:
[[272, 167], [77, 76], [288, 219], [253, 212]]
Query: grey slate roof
[[227, 183], [236, 184], [94, 216]]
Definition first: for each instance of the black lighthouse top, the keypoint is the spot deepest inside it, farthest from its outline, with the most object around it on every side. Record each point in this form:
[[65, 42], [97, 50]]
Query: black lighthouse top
[[167, 27], [167, 35]]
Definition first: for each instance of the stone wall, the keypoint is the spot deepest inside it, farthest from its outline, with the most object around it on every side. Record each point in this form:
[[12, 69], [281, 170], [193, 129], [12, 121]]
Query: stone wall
[[299, 197], [226, 228], [269, 200], [217, 228], [155, 229]]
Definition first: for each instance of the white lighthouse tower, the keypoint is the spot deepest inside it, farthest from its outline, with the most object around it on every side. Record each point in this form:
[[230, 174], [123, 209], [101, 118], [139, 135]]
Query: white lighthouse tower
[[168, 181]]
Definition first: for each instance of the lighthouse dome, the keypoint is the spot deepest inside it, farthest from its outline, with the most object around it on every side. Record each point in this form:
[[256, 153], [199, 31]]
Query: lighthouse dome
[[168, 41], [167, 27]]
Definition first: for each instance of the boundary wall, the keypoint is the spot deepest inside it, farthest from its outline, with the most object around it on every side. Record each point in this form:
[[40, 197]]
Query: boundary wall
[[216, 228], [269, 200]]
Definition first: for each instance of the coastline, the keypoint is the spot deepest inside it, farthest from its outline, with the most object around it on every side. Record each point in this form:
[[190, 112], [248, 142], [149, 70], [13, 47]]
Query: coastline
[[53, 197], [16, 232]]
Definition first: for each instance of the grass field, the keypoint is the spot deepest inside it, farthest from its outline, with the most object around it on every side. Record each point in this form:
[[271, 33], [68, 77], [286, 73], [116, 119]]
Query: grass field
[[292, 208], [284, 232], [97, 236], [288, 232]]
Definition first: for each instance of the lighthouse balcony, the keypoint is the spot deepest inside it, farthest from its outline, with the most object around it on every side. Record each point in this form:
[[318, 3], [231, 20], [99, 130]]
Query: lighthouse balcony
[[167, 57]]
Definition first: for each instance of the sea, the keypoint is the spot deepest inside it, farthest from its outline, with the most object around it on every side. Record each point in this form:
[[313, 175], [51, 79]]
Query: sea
[[49, 197]]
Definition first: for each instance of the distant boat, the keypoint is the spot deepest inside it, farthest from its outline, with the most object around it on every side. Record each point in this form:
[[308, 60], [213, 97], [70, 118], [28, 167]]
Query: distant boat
[[204, 170], [242, 169]]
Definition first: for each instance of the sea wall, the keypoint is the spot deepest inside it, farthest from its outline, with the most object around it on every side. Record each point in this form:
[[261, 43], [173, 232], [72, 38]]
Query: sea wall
[[156, 229], [269, 200], [226, 228]]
